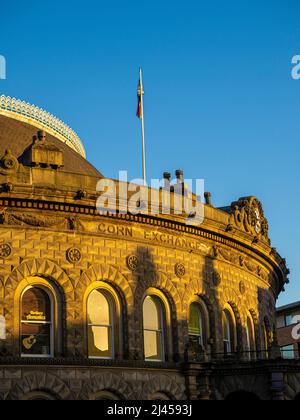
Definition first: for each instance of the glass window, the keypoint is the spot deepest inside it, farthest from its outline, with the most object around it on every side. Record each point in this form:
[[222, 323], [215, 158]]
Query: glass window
[[153, 329], [100, 326], [2, 328], [196, 323], [251, 347], [228, 335], [288, 352], [298, 352], [267, 338], [36, 323], [289, 320]]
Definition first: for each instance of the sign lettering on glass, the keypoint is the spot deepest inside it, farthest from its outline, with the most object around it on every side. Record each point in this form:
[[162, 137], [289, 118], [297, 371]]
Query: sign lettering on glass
[[36, 316]]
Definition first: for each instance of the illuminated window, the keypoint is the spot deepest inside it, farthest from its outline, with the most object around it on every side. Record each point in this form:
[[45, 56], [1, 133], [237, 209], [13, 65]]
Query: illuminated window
[[2, 328], [100, 325], [37, 323], [251, 346], [228, 333], [197, 324], [153, 329]]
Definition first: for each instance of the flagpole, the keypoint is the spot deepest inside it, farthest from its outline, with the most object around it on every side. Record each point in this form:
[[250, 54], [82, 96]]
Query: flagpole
[[143, 127]]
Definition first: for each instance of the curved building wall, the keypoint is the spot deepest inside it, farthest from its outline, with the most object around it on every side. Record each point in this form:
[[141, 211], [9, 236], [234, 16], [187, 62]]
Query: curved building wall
[[187, 312]]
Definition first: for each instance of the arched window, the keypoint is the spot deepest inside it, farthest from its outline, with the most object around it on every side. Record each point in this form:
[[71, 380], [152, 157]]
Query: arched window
[[38, 396], [266, 333], [105, 396], [153, 318], [251, 345], [100, 311], [2, 328], [37, 323], [197, 324], [228, 332]]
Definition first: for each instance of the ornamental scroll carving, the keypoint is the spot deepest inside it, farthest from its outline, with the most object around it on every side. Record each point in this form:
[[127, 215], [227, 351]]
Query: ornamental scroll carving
[[20, 219], [247, 214], [220, 253], [38, 221]]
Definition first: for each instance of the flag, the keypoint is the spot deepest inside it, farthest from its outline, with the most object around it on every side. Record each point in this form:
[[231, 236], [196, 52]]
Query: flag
[[140, 115], [139, 112]]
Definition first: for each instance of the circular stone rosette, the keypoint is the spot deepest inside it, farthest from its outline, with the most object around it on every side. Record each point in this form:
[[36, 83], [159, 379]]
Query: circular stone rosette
[[180, 270], [74, 255], [5, 250], [132, 262]]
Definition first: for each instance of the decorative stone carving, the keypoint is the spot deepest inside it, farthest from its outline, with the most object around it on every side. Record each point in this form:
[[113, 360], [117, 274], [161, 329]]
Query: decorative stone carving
[[5, 250], [250, 266], [74, 255], [9, 163], [242, 288], [74, 223], [132, 262], [218, 252], [247, 214], [31, 220], [215, 251], [194, 351], [42, 153], [180, 270], [227, 256]]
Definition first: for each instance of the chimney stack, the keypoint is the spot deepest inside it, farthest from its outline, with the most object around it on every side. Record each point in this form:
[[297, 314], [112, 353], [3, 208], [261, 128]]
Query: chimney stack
[[207, 197], [179, 176]]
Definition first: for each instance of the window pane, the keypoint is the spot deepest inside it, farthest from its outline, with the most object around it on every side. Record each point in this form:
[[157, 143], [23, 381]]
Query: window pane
[[289, 320], [195, 324], [98, 309], [36, 305], [2, 328], [226, 327], [249, 334], [288, 352], [153, 345], [151, 312], [99, 341], [35, 339]]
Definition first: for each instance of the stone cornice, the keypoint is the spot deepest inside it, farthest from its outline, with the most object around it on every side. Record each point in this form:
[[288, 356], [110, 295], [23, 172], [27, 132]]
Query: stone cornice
[[234, 242]]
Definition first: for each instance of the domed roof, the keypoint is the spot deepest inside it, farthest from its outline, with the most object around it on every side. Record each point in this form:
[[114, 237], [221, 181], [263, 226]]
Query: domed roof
[[19, 122]]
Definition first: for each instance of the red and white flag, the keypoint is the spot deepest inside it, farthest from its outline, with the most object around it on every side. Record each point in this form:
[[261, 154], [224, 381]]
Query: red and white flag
[[140, 93]]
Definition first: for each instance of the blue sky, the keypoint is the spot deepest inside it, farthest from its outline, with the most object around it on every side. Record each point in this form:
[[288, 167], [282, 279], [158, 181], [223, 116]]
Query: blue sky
[[220, 101]]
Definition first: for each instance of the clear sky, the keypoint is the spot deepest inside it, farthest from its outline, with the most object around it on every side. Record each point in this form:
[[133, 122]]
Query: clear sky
[[220, 102]]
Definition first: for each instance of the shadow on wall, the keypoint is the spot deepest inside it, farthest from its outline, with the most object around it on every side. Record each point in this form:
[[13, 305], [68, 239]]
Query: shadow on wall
[[175, 318]]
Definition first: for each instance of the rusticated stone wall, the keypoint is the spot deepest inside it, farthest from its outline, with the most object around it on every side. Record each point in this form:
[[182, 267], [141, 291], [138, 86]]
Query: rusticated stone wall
[[73, 261]]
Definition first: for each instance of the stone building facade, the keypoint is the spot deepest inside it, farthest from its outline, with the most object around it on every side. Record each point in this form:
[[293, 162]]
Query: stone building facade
[[212, 288]]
